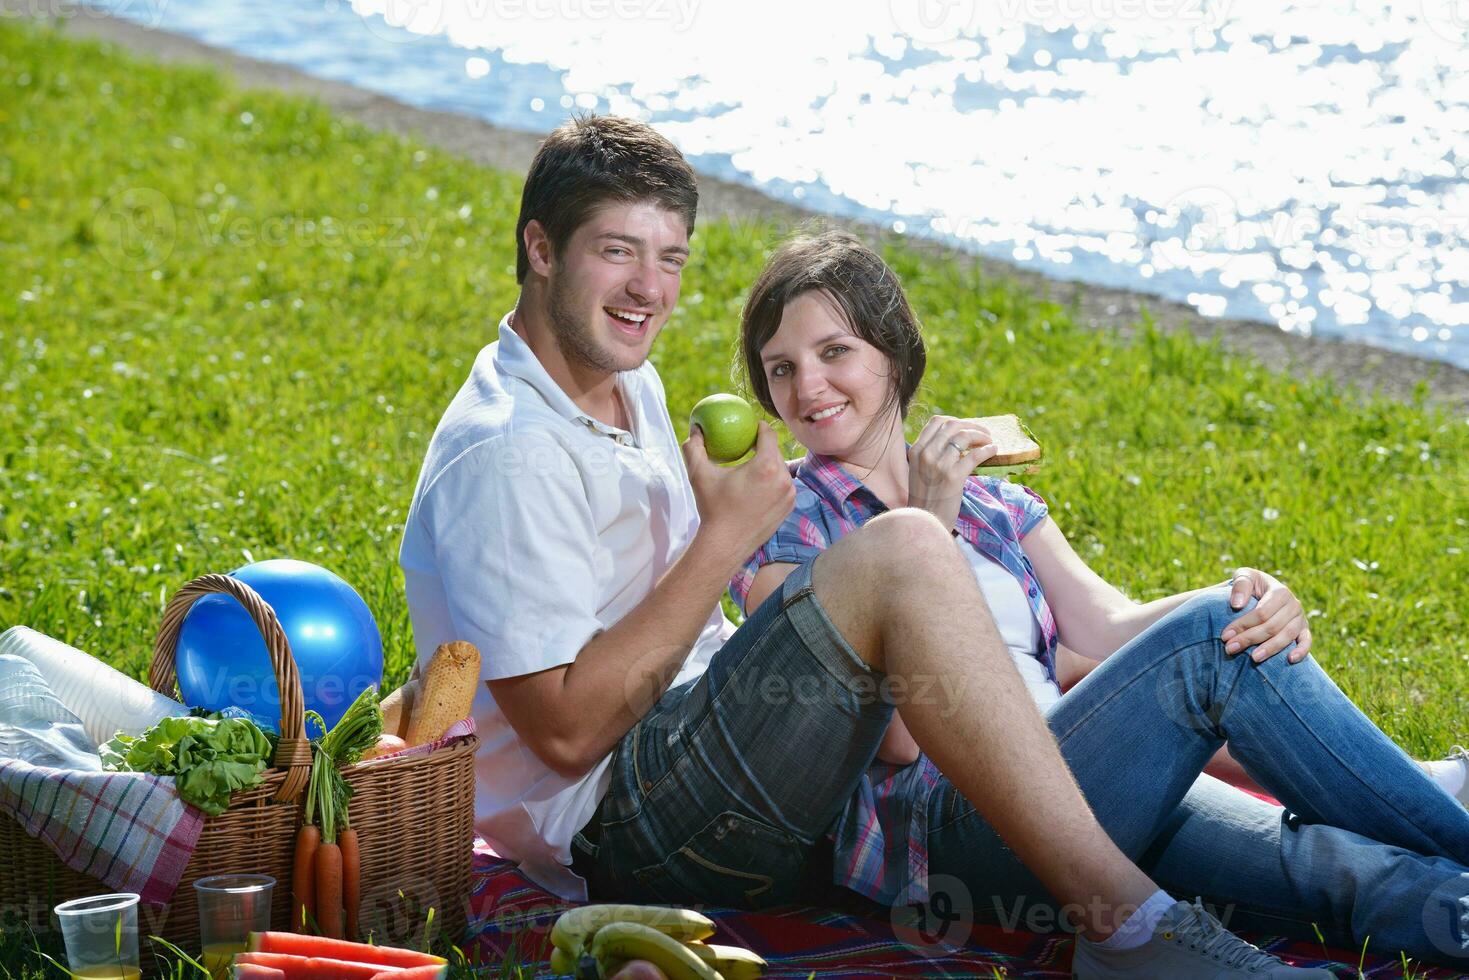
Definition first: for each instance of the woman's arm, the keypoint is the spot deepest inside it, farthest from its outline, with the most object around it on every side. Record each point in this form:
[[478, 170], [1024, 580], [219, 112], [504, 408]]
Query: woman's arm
[[1071, 667], [1095, 619], [767, 580], [898, 746], [1092, 616]]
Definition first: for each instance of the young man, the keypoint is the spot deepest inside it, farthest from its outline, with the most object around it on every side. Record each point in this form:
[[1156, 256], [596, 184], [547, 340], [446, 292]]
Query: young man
[[559, 526]]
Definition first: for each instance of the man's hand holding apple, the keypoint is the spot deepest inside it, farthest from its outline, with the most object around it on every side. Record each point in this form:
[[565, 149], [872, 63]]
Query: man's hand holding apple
[[741, 506]]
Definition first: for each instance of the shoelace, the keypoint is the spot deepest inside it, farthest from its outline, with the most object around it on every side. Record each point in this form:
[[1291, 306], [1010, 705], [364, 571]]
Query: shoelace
[[1205, 933], [1458, 752]]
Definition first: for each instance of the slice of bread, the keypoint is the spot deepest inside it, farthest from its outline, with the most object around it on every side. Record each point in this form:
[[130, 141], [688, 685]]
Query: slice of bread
[[1012, 439]]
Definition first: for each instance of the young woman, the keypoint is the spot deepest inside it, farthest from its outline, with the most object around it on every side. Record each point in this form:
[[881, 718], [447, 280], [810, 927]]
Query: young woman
[[1368, 846]]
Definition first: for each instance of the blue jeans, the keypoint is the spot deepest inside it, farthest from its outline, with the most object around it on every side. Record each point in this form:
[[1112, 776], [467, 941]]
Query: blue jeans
[[724, 791], [1366, 845]]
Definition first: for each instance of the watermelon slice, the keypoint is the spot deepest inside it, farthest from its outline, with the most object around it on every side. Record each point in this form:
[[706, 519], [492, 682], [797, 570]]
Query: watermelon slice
[[338, 949], [417, 973], [316, 967], [254, 971]]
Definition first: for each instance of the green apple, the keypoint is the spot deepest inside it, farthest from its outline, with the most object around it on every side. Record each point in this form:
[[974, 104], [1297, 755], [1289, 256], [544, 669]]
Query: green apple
[[729, 426]]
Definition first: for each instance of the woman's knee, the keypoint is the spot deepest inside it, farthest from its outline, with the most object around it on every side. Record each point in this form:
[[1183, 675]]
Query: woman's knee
[[1193, 627], [1189, 626], [1211, 610], [1204, 619]]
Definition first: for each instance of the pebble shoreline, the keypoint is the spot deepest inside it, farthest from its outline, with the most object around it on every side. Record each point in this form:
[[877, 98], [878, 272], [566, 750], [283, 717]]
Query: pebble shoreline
[[1367, 369]]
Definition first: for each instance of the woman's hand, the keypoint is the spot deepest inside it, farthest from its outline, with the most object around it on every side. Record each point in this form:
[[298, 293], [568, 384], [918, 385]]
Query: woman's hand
[[941, 460], [1277, 620]]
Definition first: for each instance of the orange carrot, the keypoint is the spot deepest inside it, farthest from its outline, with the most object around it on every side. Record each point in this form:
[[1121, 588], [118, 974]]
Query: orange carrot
[[329, 890], [303, 894], [351, 879]]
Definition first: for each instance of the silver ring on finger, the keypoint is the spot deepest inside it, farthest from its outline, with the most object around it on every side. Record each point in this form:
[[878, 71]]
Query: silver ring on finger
[[956, 448]]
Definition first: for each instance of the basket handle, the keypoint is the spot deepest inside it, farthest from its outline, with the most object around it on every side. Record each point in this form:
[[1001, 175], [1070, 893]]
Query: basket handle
[[293, 751]]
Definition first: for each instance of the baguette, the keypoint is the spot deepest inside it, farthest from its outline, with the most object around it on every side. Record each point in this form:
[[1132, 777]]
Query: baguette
[[445, 692], [398, 708]]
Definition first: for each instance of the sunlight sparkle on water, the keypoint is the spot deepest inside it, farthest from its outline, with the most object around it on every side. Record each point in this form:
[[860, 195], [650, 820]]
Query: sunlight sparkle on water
[[1297, 162], [1221, 146]]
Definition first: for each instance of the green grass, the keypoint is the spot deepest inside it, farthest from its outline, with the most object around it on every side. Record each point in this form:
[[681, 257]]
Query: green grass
[[229, 322]]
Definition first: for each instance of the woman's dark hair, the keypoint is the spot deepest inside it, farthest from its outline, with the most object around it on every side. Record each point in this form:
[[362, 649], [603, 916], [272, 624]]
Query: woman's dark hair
[[859, 285], [592, 160]]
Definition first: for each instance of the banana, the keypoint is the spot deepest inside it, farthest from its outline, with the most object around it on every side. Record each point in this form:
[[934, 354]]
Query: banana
[[575, 927], [618, 942], [733, 962], [562, 962]]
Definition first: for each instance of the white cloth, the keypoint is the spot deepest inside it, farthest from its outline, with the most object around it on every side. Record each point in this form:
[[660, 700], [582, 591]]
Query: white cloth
[[103, 698], [1017, 624], [533, 528]]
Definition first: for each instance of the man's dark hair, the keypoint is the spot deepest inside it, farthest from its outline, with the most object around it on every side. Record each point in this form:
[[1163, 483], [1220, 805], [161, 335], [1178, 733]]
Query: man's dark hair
[[862, 288], [590, 161]]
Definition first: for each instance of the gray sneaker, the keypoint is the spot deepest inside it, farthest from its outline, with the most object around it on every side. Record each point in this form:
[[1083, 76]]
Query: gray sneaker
[[1188, 944]]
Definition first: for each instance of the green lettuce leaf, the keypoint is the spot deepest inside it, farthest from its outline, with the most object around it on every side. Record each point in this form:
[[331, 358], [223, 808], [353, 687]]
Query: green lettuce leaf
[[210, 758]]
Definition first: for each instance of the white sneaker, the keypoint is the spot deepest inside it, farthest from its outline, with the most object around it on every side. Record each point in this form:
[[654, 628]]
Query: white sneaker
[[1188, 944], [1461, 756]]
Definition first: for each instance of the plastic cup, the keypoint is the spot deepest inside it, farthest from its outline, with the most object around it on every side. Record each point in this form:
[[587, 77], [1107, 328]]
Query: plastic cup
[[101, 934], [230, 908]]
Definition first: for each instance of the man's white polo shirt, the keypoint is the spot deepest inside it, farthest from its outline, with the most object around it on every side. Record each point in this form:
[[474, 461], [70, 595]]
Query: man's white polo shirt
[[532, 529]]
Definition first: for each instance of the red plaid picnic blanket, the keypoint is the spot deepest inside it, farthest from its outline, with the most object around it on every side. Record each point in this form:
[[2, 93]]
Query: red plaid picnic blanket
[[510, 916]]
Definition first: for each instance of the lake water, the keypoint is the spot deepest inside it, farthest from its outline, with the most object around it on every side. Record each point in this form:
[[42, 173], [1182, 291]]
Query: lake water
[[1296, 163]]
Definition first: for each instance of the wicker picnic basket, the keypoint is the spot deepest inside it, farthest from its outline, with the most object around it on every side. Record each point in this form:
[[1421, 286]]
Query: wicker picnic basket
[[414, 817]]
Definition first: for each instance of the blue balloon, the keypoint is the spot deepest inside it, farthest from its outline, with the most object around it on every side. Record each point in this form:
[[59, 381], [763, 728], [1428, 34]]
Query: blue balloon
[[221, 657]]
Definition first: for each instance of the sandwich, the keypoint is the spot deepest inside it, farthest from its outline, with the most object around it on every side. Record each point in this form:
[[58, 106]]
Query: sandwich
[[1018, 452]]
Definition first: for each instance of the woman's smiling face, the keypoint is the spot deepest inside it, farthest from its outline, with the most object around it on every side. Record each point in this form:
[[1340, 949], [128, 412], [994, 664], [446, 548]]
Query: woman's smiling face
[[832, 389]]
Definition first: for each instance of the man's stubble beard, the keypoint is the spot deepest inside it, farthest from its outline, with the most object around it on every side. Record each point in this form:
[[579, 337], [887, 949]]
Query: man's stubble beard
[[573, 337]]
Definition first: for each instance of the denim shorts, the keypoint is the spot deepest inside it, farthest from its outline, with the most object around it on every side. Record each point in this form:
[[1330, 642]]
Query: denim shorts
[[724, 792]]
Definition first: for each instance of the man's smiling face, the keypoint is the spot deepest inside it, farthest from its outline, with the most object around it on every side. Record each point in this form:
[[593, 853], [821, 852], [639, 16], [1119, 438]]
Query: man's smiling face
[[613, 287]]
